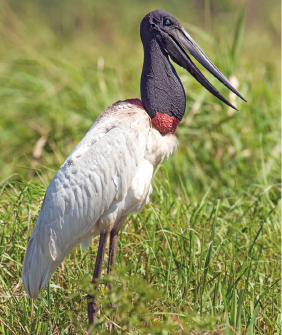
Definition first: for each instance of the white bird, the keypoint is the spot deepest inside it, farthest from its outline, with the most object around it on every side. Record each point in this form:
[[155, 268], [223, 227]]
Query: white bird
[[108, 175]]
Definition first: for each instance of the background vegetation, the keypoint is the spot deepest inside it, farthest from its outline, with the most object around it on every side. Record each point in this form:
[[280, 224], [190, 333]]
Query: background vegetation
[[204, 255]]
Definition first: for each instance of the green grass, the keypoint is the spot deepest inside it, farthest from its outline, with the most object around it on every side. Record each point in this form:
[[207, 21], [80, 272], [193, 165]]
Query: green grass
[[204, 255]]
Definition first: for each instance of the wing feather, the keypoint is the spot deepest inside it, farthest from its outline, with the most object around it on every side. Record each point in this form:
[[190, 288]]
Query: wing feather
[[98, 172]]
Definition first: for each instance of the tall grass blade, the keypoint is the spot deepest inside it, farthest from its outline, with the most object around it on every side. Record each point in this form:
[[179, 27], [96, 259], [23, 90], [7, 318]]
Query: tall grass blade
[[239, 34], [209, 251], [250, 330], [239, 310]]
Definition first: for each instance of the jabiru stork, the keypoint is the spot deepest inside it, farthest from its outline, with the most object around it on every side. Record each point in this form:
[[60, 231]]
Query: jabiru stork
[[108, 175]]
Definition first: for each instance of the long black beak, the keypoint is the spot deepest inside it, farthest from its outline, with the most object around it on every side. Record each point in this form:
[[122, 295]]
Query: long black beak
[[175, 43]]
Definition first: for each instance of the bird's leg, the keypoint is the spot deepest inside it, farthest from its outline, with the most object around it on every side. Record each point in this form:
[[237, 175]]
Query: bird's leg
[[112, 253], [112, 260], [91, 301]]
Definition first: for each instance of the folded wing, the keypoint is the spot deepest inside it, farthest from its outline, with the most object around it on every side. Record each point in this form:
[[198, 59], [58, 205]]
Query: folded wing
[[98, 172]]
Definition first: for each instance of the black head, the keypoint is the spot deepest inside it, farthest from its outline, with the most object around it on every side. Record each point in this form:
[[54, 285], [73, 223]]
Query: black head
[[158, 24], [162, 36]]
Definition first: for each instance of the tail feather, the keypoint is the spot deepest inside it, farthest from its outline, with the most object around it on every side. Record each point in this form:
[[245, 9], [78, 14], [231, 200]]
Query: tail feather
[[36, 268], [39, 263]]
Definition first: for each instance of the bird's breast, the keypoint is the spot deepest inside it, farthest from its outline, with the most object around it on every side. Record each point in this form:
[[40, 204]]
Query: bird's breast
[[159, 146]]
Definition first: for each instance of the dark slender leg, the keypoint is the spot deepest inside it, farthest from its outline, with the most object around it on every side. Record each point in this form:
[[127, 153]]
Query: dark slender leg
[[112, 253], [112, 263], [91, 301]]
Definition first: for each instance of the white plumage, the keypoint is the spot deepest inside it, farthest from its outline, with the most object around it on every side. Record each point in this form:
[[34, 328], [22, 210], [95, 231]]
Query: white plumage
[[106, 177]]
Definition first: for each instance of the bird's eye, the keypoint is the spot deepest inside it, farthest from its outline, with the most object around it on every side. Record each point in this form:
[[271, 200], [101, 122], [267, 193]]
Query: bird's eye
[[167, 22]]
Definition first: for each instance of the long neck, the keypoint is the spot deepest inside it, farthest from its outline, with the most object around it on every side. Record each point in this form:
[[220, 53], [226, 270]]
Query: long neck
[[162, 92]]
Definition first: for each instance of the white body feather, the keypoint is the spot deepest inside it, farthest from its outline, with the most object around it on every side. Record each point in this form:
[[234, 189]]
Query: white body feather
[[106, 177]]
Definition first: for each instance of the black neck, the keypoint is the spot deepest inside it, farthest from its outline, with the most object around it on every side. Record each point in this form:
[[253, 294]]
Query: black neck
[[161, 88]]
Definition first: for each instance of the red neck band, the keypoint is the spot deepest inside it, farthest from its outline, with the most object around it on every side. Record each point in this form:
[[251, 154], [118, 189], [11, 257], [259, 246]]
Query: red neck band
[[165, 123]]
